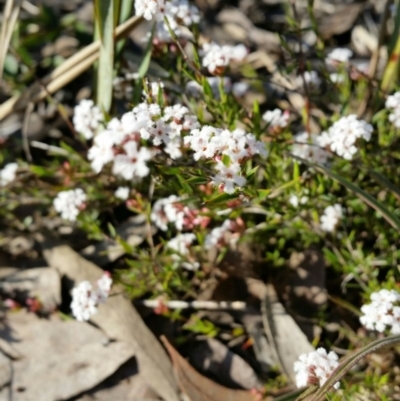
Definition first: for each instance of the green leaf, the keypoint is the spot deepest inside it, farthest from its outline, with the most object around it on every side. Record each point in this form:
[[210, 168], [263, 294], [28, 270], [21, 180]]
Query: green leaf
[[221, 198], [364, 196], [186, 187], [391, 72], [197, 180], [144, 65], [105, 23]]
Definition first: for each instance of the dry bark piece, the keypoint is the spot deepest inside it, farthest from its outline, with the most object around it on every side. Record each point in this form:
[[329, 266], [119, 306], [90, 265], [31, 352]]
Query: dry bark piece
[[216, 358], [41, 283], [120, 320], [197, 387], [59, 359]]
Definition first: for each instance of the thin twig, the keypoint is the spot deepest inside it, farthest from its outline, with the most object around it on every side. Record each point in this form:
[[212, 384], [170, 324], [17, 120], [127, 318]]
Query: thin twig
[[207, 305], [25, 127]]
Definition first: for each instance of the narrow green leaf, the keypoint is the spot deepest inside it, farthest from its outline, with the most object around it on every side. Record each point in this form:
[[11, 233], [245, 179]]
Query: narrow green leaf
[[144, 65], [105, 22], [386, 183], [364, 196], [186, 187], [391, 72], [221, 198]]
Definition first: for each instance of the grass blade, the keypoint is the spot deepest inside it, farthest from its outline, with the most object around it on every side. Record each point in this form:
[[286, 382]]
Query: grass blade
[[65, 73], [10, 17], [364, 196], [104, 14]]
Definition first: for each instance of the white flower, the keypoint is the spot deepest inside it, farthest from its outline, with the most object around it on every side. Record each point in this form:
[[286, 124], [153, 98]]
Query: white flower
[[315, 368], [122, 193], [310, 147], [312, 79], [216, 58], [295, 201], [183, 12], [84, 301], [343, 134], [393, 105], [228, 177], [216, 234], [276, 118], [339, 55], [8, 174], [180, 244], [149, 8], [85, 298], [102, 151], [383, 312], [69, 203], [336, 78], [331, 217], [103, 287], [87, 118], [167, 211], [132, 164], [154, 89]]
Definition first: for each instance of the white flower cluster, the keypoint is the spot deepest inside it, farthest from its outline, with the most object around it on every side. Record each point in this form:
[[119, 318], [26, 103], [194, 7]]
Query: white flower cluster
[[180, 244], [214, 143], [87, 118], [339, 55], [393, 104], [217, 234], [383, 312], [167, 211], [85, 298], [122, 193], [343, 134], [8, 174], [70, 203], [315, 368], [331, 217], [119, 143], [216, 58], [294, 200], [310, 147], [178, 13], [276, 119]]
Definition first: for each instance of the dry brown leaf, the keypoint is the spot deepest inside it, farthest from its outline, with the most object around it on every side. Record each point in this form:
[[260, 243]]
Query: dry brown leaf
[[197, 387], [59, 359], [120, 320]]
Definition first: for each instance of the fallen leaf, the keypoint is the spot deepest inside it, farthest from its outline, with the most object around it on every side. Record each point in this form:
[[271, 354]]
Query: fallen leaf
[[214, 357], [120, 320], [283, 333], [59, 359], [197, 387]]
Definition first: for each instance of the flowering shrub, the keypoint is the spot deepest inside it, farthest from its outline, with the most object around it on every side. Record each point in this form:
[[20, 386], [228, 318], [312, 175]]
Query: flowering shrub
[[196, 145]]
